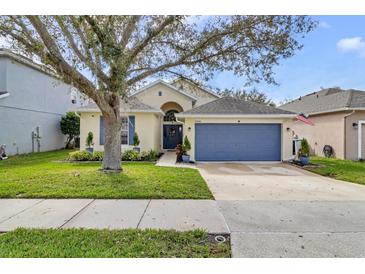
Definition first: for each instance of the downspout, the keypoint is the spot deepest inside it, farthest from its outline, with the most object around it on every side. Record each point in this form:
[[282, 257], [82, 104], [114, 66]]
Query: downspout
[[344, 139]]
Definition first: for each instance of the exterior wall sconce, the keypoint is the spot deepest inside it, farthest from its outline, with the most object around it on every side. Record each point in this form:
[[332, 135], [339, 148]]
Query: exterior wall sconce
[[189, 128], [354, 125], [288, 129]]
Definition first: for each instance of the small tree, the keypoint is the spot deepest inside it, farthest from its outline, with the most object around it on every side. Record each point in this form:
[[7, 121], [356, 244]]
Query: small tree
[[135, 139], [186, 145], [89, 139], [70, 126], [304, 149]]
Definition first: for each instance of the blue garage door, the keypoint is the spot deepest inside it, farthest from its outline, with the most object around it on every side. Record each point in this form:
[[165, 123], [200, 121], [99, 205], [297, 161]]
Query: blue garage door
[[238, 142]]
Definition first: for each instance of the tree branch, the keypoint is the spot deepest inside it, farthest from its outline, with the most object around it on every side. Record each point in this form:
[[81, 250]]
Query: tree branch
[[86, 59], [59, 62], [152, 33]]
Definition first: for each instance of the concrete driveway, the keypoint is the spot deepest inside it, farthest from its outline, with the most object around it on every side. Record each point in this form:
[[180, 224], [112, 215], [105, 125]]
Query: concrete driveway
[[277, 210]]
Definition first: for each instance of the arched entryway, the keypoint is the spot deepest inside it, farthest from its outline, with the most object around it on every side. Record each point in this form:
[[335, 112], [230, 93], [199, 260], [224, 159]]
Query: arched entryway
[[172, 129]]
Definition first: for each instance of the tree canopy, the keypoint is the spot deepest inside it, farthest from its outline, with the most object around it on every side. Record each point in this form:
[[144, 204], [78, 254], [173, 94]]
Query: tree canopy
[[105, 57], [253, 95]]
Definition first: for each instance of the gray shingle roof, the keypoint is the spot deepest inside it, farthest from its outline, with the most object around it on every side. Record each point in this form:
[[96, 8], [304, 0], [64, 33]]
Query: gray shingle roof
[[327, 100], [132, 104], [230, 105]]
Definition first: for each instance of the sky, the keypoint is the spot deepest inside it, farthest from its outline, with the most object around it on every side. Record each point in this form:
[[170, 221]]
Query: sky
[[333, 56]]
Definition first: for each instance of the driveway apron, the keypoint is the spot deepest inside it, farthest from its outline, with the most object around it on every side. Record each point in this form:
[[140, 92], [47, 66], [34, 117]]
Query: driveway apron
[[277, 210]]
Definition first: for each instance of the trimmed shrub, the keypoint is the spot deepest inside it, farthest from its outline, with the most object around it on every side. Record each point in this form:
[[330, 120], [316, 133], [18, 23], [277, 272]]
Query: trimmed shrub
[[98, 155], [80, 156], [89, 139], [186, 145], [131, 155], [151, 155], [85, 156], [128, 155], [304, 148], [136, 139]]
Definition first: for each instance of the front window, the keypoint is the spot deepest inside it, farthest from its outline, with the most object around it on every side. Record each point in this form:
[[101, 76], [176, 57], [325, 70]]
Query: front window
[[124, 134], [170, 116]]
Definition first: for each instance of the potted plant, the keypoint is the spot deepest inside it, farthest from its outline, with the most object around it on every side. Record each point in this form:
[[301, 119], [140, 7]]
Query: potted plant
[[186, 147], [89, 142], [136, 142], [179, 153], [304, 152]]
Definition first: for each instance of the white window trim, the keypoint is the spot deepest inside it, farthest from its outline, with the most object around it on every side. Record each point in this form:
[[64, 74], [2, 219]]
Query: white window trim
[[359, 138], [125, 130]]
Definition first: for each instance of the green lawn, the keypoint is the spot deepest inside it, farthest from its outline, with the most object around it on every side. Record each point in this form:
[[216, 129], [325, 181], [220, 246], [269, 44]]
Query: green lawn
[[38, 175], [133, 243], [345, 170]]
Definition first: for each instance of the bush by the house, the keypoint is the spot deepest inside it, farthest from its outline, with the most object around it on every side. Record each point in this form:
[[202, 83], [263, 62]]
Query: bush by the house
[[131, 155], [98, 156], [128, 155], [80, 156], [304, 148], [85, 156], [151, 155]]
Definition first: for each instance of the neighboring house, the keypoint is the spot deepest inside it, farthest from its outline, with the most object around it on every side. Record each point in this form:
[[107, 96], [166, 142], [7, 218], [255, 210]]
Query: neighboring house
[[219, 129], [339, 121], [31, 100]]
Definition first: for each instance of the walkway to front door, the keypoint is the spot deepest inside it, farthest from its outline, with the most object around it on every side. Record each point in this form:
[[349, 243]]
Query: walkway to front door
[[172, 136], [169, 159]]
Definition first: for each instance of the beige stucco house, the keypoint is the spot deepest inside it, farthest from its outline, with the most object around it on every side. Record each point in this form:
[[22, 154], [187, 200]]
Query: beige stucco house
[[219, 129], [339, 121]]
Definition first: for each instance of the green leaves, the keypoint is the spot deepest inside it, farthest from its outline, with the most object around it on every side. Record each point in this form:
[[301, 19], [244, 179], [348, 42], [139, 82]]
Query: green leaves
[[70, 126]]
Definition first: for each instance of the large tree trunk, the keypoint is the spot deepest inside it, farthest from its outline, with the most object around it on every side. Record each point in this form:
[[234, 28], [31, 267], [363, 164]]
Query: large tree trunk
[[112, 145], [112, 140]]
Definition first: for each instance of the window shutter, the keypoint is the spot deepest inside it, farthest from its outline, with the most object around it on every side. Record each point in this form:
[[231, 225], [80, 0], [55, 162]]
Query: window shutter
[[131, 129], [102, 131]]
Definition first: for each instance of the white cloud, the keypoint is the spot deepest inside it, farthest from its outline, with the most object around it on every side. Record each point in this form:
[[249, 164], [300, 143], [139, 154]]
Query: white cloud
[[324, 25], [354, 44]]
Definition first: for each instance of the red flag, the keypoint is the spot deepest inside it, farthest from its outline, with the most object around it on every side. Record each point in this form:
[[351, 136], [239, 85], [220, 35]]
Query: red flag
[[304, 120]]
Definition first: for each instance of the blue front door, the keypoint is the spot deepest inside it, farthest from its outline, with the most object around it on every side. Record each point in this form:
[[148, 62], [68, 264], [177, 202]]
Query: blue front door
[[172, 136]]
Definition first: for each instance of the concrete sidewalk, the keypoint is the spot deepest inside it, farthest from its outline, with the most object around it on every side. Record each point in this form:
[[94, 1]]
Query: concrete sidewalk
[[111, 214], [293, 229]]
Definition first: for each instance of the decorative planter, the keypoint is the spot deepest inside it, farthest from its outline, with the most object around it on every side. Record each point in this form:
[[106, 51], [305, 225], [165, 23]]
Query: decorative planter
[[90, 149], [186, 158], [304, 160], [138, 149]]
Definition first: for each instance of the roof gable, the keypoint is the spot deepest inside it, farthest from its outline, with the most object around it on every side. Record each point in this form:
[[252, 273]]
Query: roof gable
[[194, 89], [146, 88]]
